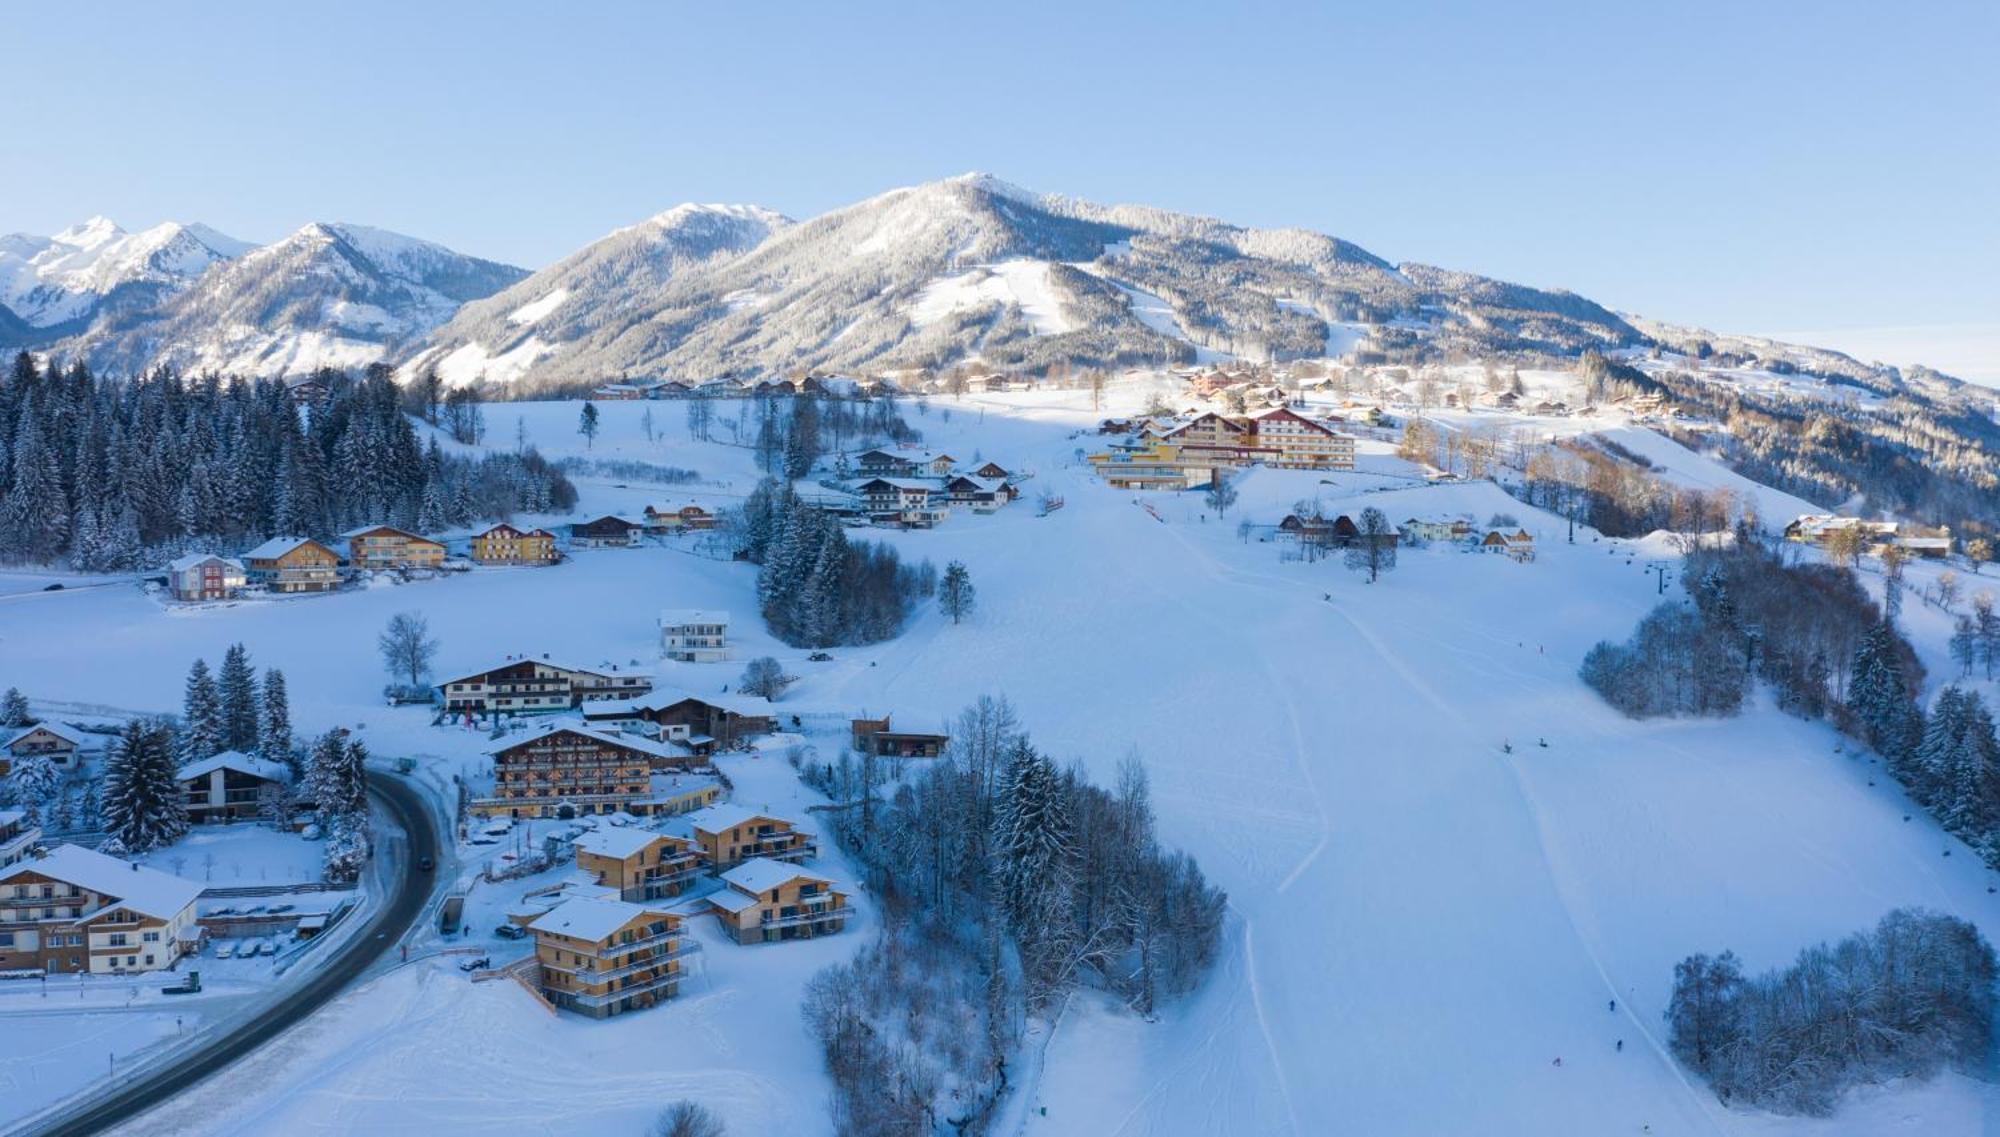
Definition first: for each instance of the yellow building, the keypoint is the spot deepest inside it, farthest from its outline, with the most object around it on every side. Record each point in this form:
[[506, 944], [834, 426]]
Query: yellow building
[[1145, 465], [606, 957], [505, 545], [764, 901], [730, 834], [640, 864], [385, 547]]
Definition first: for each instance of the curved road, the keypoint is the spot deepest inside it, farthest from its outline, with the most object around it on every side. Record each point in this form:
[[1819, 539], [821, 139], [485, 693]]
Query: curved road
[[390, 921]]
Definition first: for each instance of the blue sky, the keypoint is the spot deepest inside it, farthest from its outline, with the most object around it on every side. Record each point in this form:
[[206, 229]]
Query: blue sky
[[1754, 167]]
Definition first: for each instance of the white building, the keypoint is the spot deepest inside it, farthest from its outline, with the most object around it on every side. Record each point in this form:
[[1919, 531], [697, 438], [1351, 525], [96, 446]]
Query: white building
[[694, 635]]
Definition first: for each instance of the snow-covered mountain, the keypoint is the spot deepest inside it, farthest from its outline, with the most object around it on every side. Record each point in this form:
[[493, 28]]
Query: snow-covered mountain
[[329, 294], [52, 285], [972, 267], [595, 296]]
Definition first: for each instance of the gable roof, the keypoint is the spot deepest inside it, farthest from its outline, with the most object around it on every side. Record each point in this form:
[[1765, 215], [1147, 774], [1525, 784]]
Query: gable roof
[[762, 874], [561, 726], [235, 760], [503, 529], [61, 730], [190, 560], [545, 661], [725, 816], [143, 890], [590, 918], [620, 842], [367, 529], [277, 547]]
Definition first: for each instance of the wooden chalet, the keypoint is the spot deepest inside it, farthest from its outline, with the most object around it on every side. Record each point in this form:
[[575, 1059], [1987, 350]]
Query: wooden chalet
[[765, 901], [640, 863], [506, 545], [76, 910], [231, 786], [293, 564], [386, 547], [601, 957], [730, 834], [608, 532], [874, 736], [527, 685], [700, 724]]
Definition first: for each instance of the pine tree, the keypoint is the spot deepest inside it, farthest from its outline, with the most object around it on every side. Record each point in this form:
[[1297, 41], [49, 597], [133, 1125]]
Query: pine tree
[[1033, 852], [1878, 696], [274, 727], [14, 709], [1933, 778], [33, 784], [142, 807], [202, 730], [238, 689]]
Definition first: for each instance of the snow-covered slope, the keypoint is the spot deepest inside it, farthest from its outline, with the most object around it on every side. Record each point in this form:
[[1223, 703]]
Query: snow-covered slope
[[1421, 921], [593, 299], [330, 294], [53, 283]]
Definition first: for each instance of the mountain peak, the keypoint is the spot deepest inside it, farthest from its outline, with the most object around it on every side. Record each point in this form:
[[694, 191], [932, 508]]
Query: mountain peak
[[995, 185], [96, 231]]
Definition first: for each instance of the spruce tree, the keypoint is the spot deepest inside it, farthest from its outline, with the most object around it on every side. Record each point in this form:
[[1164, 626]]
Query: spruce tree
[[33, 784], [202, 731], [274, 727], [238, 689], [1933, 771], [1878, 696], [141, 804], [14, 709]]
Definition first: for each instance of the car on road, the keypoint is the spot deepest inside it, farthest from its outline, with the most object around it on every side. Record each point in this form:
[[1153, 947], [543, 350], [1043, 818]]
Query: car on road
[[56, 587], [819, 657], [425, 864]]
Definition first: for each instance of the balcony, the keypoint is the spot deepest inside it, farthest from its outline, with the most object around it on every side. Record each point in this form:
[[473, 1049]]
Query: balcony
[[586, 974], [609, 997], [614, 950], [819, 917]]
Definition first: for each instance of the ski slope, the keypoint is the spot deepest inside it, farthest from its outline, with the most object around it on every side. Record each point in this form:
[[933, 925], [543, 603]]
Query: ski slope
[[1421, 922]]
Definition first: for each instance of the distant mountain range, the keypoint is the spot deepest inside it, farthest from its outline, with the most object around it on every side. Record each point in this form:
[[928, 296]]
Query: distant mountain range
[[930, 276]]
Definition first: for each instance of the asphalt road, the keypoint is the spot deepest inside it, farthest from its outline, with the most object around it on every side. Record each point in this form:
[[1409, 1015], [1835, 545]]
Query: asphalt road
[[383, 930]]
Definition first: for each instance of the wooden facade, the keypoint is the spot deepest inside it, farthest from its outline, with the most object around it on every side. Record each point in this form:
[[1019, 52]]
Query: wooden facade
[[640, 864], [565, 771], [293, 564], [78, 910], [386, 547], [506, 545], [730, 834], [605, 957], [536, 686], [765, 901]]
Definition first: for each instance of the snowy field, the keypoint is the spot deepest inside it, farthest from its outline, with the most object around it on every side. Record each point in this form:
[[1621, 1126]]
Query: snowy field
[[1421, 922]]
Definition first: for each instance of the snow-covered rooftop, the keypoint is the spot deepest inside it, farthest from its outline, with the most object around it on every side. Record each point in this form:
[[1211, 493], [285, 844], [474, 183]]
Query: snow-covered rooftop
[[234, 760], [190, 560], [681, 617], [147, 891], [762, 874], [275, 547], [63, 731], [726, 815], [619, 842], [588, 918]]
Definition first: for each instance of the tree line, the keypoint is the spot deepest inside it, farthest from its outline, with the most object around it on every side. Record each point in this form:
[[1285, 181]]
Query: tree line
[[1004, 882], [1827, 651], [120, 475], [1910, 998]]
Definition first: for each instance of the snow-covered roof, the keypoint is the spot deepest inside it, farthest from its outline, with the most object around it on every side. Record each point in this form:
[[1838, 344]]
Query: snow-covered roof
[[143, 890], [901, 483], [12, 816], [660, 698], [617, 842], [762, 874], [730, 902], [366, 529], [680, 617], [587, 918], [613, 738], [60, 730], [717, 818], [276, 547], [544, 660], [234, 760], [184, 563]]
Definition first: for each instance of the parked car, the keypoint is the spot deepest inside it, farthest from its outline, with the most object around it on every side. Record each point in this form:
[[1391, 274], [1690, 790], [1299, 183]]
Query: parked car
[[425, 864], [479, 964], [819, 657], [511, 932]]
